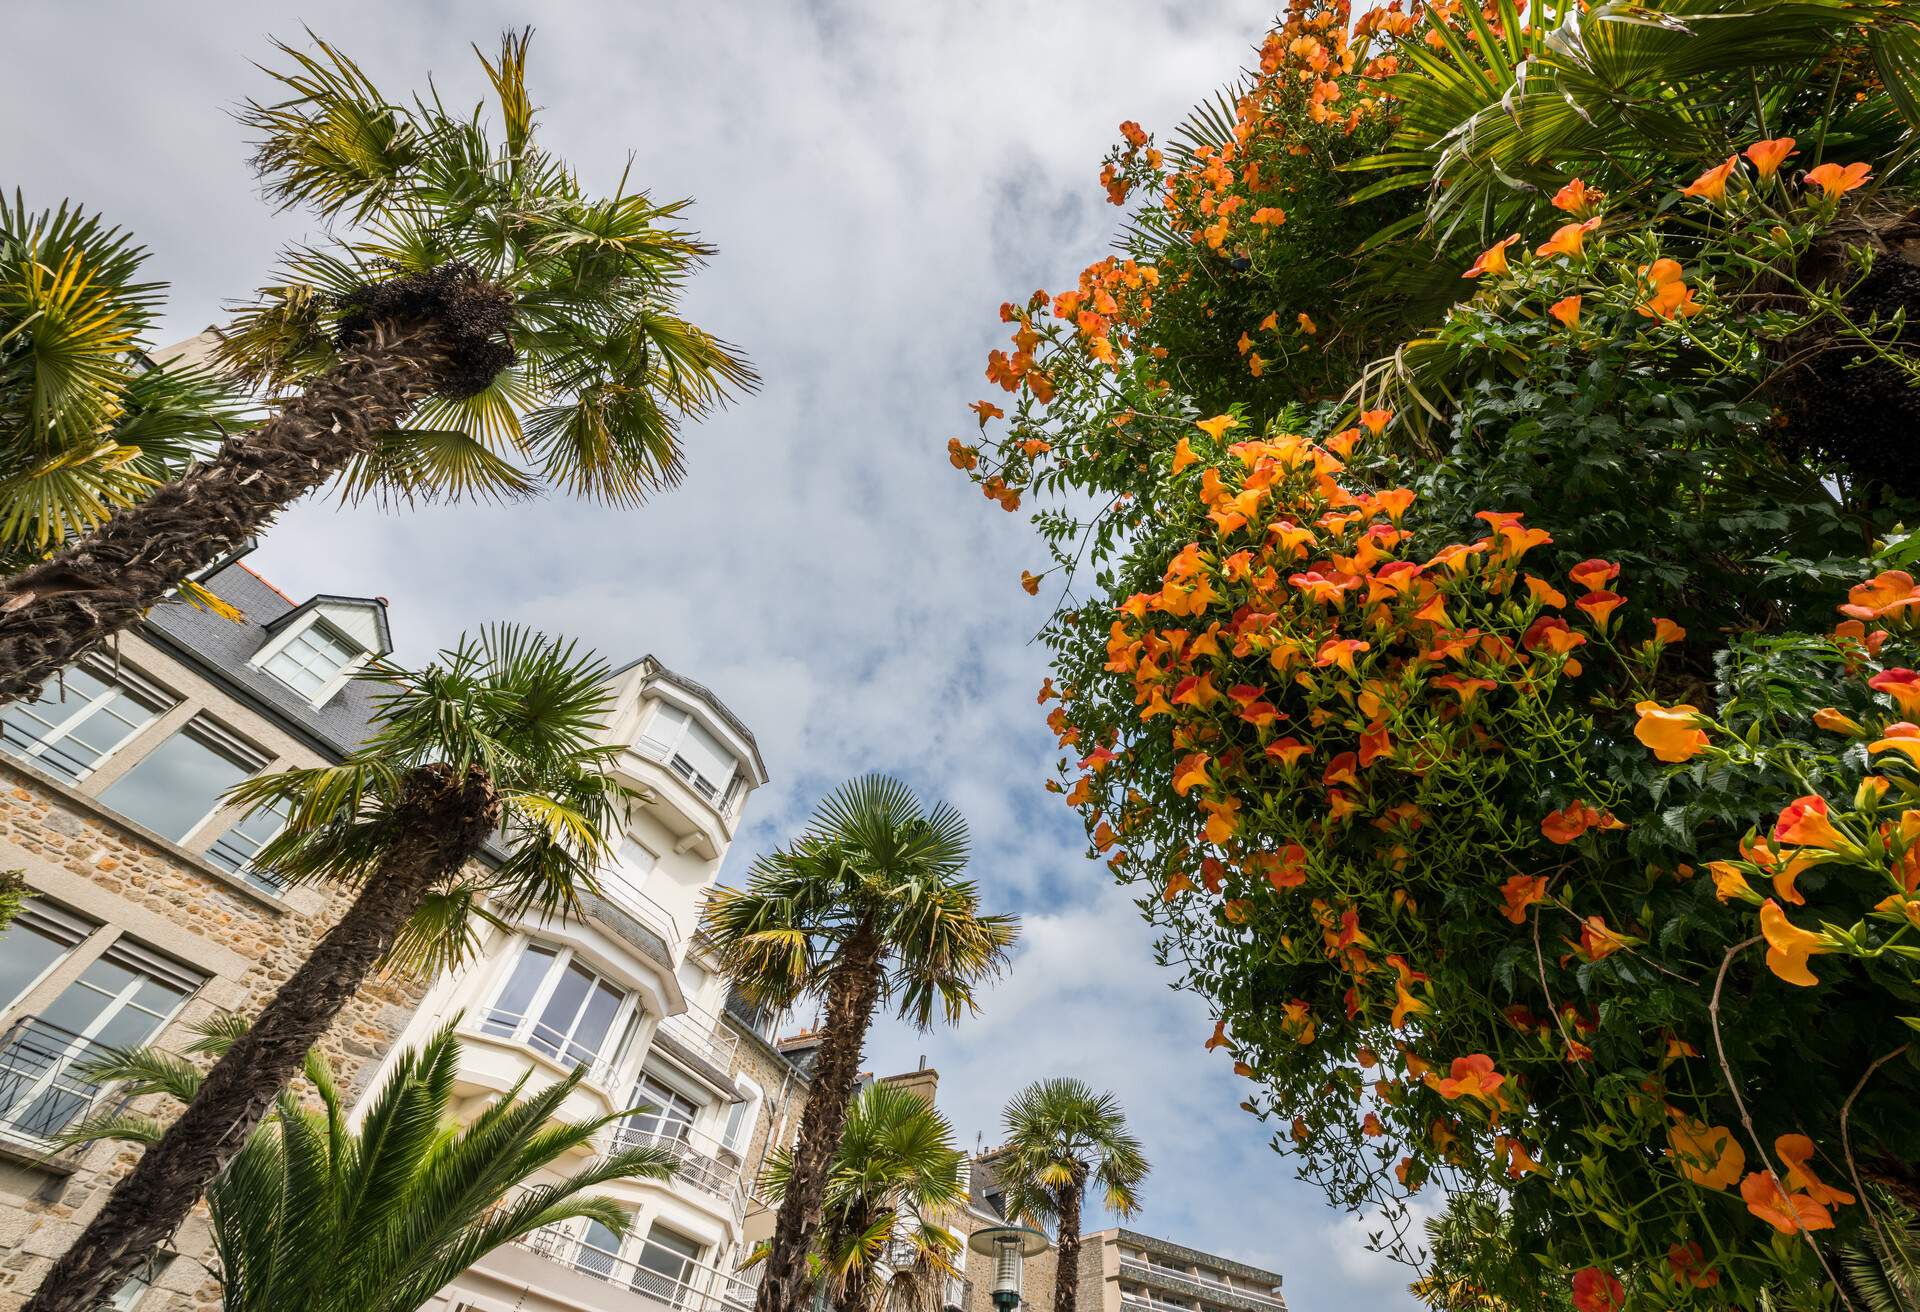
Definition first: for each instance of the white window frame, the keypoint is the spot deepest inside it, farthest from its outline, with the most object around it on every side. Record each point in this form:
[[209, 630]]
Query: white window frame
[[262, 659], [665, 746], [736, 1135], [55, 922], [116, 681], [247, 869], [619, 1029]]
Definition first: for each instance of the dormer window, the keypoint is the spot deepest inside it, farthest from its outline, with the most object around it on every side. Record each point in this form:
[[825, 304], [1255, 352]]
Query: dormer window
[[313, 659], [317, 646], [691, 752]]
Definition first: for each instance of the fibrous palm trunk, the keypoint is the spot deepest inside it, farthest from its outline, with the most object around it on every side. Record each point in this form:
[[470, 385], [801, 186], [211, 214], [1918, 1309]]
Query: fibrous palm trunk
[[851, 996], [1066, 1272], [443, 819], [58, 610]]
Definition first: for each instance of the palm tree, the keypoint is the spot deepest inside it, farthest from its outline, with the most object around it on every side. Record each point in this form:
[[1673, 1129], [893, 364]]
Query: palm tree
[[1881, 1268], [498, 737], [880, 1245], [867, 906], [87, 423], [1061, 1136], [482, 327], [317, 1215]]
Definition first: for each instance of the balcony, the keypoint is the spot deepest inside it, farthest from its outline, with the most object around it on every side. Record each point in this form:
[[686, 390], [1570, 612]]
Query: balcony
[[954, 1288], [44, 1089], [623, 891], [693, 811], [704, 1162], [527, 1032], [696, 1288], [1194, 1285], [700, 1033]]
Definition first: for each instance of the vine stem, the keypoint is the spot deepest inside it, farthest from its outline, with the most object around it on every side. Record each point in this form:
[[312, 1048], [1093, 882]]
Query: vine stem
[[1740, 1104], [1853, 1168]]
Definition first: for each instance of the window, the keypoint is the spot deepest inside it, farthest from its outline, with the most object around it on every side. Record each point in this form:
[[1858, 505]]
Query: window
[[599, 1250], [312, 659], [667, 1113], [558, 1006], [666, 1263], [740, 1118], [78, 720], [692, 753], [33, 944], [123, 999], [235, 850], [177, 785]]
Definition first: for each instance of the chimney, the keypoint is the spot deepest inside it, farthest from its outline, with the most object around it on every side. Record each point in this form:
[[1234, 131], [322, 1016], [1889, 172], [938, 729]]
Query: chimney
[[925, 1082]]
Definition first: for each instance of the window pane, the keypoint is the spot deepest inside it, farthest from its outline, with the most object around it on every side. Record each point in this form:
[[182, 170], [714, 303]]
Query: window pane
[[176, 786], [311, 659], [590, 1036], [664, 725], [563, 1006], [74, 722], [599, 1250], [25, 953], [235, 849], [517, 996], [708, 756]]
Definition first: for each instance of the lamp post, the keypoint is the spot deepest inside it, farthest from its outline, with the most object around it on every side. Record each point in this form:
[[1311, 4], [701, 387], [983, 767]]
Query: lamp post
[[1009, 1246]]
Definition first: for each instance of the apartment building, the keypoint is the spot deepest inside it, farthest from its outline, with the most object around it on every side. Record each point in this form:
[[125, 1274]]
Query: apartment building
[[1126, 1271], [148, 915]]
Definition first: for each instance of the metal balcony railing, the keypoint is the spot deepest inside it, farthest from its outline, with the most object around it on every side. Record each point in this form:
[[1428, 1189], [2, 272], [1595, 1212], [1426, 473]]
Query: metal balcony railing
[[701, 1031], [725, 801], [659, 1273], [1198, 1285], [42, 1088], [954, 1289], [704, 1163], [624, 892], [527, 1031]]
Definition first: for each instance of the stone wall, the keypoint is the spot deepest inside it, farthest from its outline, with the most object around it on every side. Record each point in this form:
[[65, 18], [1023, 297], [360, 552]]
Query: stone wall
[[136, 884]]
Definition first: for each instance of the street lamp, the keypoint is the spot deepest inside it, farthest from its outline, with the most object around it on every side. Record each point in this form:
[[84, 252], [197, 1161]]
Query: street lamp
[[1009, 1246]]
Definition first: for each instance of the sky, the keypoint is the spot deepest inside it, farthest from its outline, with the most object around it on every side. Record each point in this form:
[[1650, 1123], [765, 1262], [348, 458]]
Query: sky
[[879, 177]]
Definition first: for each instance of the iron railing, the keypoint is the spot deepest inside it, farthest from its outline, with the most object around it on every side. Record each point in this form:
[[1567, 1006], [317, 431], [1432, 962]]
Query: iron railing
[[698, 1288], [701, 1031], [43, 1090], [624, 892], [1198, 1285], [525, 1030], [704, 1163], [725, 802]]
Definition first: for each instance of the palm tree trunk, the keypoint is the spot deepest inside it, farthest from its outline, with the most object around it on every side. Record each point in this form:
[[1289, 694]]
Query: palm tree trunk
[[442, 821], [851, 996], [54, 612], [1066, 1272]]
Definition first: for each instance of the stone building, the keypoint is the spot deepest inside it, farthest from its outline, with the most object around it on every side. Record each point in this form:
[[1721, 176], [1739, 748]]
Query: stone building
[[148, 916]]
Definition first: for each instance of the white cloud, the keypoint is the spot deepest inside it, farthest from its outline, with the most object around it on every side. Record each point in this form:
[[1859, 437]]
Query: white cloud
[[879, 177]]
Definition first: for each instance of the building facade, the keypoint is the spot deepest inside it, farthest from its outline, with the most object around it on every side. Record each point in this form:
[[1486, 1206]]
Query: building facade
[[1126, 1271], [147, 915]]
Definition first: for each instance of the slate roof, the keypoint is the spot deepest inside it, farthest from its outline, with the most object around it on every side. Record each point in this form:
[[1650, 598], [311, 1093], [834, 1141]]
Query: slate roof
[[222, 648]]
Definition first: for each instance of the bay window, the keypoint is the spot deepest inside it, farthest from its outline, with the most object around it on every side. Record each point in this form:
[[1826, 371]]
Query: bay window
[[558, 1005], [690, 751]]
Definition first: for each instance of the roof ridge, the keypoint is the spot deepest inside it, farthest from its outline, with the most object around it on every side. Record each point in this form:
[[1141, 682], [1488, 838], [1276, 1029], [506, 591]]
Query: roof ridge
[[264, 579]]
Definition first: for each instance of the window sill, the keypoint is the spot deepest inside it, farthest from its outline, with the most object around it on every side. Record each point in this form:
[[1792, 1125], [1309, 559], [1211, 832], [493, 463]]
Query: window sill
[[67, 793]]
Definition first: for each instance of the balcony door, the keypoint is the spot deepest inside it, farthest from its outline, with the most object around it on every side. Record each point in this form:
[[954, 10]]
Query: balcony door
[[122, 999], [668, 1115], [666, 1266]]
